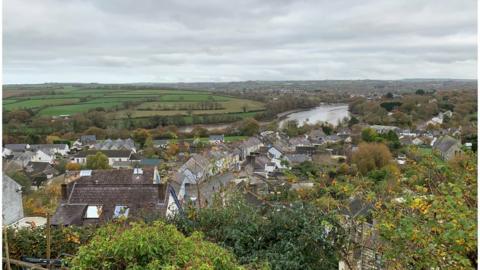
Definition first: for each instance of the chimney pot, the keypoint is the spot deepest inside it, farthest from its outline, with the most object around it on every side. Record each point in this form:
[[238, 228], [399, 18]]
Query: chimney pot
[[64, 192]]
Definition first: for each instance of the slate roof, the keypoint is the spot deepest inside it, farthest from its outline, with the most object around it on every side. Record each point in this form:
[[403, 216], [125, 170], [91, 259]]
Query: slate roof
[[86, 139], [216, 138], [252, 141], [297, 158], [47, 147], [444, 143], [108, 153], [118, 144], [299, 141], [358, 207], [106, 177], [34, 168], [110, 188], [16, 147], [316, 133]]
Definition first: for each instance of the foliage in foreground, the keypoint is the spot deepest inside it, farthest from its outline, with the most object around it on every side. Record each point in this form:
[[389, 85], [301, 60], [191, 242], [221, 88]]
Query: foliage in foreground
[[296, 237], [154, 246], [433, 225], [32, 242]]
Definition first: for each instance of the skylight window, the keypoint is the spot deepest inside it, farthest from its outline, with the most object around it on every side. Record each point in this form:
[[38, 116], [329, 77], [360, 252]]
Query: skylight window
[[93, 211], [86, 173], [121, 211]]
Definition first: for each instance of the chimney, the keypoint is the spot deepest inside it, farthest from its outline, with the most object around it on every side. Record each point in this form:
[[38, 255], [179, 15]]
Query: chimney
[[161, 192], [64, 192]]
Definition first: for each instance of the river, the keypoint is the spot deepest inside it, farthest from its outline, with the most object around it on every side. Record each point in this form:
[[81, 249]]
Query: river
[[331, 113]]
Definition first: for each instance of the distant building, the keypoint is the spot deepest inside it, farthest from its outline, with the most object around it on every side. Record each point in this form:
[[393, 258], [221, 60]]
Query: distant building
[[113, 155], [297, 158], [17, 147], [12, 207], [118, 144], [274, 153], [216, 139], [448, 147], [385, 129], [249, 146], [88, 140], [40, 169], [51, 149]]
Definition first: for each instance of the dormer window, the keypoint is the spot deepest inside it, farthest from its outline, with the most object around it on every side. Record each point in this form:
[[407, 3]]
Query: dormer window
[[93, 211]]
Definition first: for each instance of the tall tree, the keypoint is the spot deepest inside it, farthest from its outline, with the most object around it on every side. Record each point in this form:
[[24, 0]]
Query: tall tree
[[98, 161]]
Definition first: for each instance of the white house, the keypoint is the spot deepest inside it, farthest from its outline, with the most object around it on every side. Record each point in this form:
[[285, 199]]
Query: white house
[[274, 153], [12, 207], [113, 155], [42, 156], [61, 149]]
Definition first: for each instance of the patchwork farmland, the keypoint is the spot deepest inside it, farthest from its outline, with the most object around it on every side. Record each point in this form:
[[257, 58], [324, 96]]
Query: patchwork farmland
[[123, 103]]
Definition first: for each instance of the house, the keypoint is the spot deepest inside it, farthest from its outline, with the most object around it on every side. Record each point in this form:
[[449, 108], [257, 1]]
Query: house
[[359, 226], [160, 143], [119, 144], [88, 139], [262, 164], [417, 141], [17, 147], [249, 146], [385, 129], [344, 132], [12, 207], [113, 155], [122, 165], [316, 136], [223, 159], [21, 159], [308, 150], [99, 196], [192, 172], [40, 169], [448, 147], [52, 149], [333, 139], [216, 139], [299, 141], [42, 155], [274, 152], [297, 158], [7, 153]]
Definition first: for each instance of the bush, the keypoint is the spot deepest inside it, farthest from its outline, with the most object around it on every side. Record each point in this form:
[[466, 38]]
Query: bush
[[155, 246], [32, 241], [296, 237]]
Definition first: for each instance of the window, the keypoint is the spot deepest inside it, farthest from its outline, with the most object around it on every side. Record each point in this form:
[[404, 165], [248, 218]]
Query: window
[[121, 211], [93, 211]]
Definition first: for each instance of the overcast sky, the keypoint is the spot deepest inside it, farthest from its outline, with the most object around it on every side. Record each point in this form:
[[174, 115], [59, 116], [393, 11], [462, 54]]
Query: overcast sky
[[120, 41]]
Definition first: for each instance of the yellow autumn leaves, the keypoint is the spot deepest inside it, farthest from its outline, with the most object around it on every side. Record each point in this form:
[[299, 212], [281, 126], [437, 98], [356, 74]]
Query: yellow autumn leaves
[[420, 205]]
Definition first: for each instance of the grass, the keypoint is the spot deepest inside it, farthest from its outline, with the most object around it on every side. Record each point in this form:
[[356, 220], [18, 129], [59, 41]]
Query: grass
[[428, 152], [77, 108], [150, 102], [36, 103]]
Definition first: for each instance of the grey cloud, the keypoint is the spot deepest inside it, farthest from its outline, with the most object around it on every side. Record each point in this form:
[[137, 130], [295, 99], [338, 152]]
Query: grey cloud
[[215, 40]]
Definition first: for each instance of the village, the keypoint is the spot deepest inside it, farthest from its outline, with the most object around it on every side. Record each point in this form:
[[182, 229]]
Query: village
[[258, 166]]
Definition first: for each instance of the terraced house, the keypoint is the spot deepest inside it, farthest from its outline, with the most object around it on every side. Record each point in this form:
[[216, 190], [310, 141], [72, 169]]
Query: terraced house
[[95, 197]]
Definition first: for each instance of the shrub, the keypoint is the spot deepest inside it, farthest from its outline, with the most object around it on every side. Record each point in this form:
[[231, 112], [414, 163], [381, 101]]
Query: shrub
[[155, 246]]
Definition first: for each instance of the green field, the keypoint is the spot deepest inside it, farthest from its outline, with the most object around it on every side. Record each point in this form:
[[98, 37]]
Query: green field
[[35, 103], [147, 103]]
